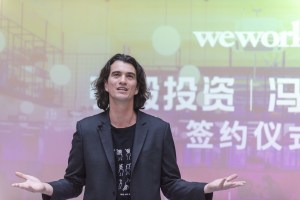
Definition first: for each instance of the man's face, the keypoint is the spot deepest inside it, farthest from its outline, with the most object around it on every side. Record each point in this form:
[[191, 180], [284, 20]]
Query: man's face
[[121, 84]]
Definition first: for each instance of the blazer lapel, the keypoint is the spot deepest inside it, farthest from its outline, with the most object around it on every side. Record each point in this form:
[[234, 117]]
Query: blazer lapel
[[104, 130], [139, 137]]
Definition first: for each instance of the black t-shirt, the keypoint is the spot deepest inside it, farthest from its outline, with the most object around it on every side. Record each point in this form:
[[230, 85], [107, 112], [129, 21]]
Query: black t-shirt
[[123, 140]]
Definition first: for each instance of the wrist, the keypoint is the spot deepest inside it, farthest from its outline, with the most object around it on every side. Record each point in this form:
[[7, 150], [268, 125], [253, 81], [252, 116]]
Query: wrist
[[48, 189], [207, 189]]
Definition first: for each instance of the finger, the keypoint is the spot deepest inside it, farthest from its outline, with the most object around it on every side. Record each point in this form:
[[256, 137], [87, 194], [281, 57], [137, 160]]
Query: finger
[[15, 184], [236, 184], [19, 185], [21, 175], [231, 177], [240, 183]]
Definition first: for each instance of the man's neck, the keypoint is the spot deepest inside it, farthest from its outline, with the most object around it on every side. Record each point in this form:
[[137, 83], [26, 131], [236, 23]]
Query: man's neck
[[121, 117]]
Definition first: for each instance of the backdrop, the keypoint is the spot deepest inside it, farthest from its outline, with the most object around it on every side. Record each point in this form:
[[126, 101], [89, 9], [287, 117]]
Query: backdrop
[[224, 73]]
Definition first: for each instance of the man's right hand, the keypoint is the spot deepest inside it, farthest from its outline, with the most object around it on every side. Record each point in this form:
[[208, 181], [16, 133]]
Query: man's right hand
[[33, 184]]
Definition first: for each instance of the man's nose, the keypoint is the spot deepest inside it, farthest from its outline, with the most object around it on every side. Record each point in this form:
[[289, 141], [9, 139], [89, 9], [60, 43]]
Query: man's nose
[[123, 79]]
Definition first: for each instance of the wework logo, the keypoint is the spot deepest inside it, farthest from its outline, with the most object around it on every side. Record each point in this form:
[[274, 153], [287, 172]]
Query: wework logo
[[267, 39]]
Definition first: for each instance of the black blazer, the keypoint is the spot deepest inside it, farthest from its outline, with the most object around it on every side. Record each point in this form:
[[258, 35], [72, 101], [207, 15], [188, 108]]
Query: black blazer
[[91, 163]]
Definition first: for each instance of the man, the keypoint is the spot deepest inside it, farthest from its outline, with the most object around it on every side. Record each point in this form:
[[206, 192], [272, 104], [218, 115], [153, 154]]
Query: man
[[123, 153]]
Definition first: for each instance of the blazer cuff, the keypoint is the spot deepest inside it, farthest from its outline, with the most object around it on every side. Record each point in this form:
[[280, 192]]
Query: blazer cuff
[[46, 197], [208, 196]]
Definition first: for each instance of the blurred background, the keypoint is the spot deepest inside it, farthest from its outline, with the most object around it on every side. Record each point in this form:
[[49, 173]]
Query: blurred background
[[224, 73]]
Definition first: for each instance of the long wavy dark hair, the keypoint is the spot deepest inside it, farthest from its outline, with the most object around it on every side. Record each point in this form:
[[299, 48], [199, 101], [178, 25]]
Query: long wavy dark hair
[[102, 95]]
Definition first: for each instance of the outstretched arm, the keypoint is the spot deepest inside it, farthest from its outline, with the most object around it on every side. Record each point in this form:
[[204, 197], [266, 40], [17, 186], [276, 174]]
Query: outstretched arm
[[33, 184], [223, 184]]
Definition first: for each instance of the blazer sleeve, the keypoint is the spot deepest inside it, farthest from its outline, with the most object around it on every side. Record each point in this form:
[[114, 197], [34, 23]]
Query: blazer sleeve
[[173, 187], [72, 184]]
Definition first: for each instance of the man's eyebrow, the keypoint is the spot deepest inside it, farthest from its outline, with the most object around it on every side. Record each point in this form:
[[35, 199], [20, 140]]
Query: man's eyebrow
[[131, 73], [128, 73]]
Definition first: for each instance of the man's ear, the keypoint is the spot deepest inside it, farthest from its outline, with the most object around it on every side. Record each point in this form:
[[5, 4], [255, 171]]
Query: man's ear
[[105, 86], [136, 90]]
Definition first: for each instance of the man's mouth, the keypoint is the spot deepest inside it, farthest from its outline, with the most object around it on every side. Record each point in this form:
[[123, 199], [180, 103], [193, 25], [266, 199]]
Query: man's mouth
[[122, 88]]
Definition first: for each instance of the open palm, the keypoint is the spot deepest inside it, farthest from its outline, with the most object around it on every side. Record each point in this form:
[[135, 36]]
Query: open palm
[[223, 184], [31, 183]]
